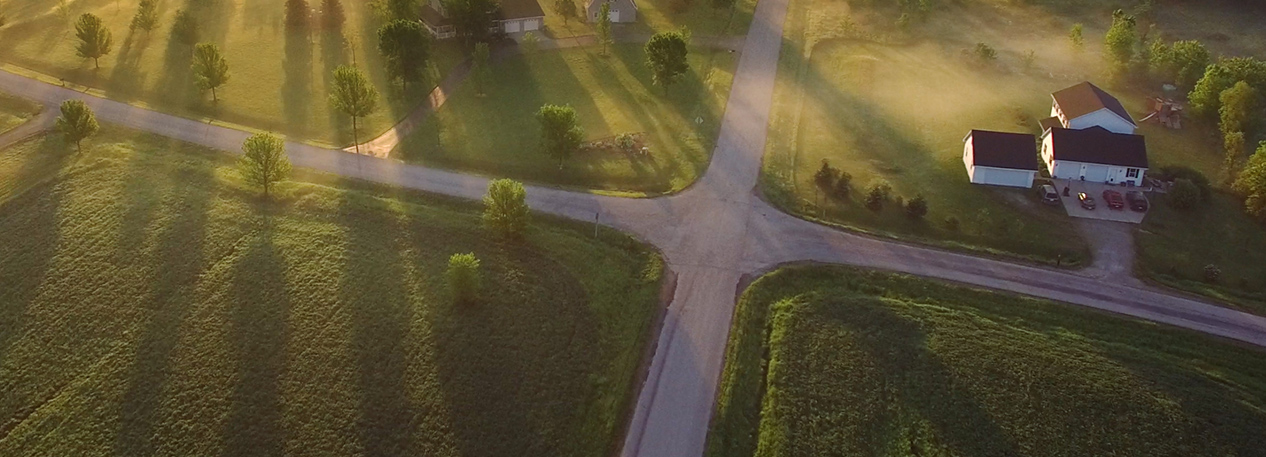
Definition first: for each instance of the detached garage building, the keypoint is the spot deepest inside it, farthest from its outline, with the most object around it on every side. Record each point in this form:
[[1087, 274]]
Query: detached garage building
[[512, 16], [1095, 155], [1000, 158]]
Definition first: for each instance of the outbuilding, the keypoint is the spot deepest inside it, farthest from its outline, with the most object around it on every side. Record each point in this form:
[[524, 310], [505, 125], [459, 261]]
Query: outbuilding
[[1095, 155], [622, 11], [1000, 158]]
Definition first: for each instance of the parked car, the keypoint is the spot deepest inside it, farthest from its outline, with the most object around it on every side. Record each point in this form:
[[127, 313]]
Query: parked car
[[1086, 200], [1113, 199], [1048, 194], [1137, 200]]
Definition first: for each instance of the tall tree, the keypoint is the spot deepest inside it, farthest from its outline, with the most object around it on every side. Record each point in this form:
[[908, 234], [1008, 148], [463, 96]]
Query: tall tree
[[604, 26], [297, 13], [146, 17], [185, 28], [210, 68], [472, 19], [264, 160], [1251, 184], [666, 56], [1239, 104], [560, 131], [403, 9], [332, 14], [1120, 40], [354, 96], [77, 122], [406, 48], [94, 38], [505, 208], [567, 9], [479, 69]]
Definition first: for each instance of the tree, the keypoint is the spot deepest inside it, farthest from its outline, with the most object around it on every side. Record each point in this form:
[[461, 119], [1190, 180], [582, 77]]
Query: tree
[[1238, 106], [567, 9], [77, 122], [1176, 172], [463, 277], [480, 72], [94, 39], [472, 19], [1075, 36], [406, 47], [1218, 77], [297, 13], [210, 68], [1184, 62], [332, 14], [666, 56], [560, 131], [146, 17], [986, 53], [917, 207], [1183, 195], [824, 178], [876, 195], [604, 26], [354, 96], [1120, 40], [843, 186], [403, 9], [264, 161], [530, 43], [1233, 144], [505, 208], [1251, 184], [185, 28]]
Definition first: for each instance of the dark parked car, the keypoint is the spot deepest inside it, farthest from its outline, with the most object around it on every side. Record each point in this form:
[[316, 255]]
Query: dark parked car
[[1137, 200], [1113, 199], [1086, 200]]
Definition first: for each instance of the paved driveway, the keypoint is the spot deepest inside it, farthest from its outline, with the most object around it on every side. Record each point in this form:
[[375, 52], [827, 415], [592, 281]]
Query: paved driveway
[[1101, 212]]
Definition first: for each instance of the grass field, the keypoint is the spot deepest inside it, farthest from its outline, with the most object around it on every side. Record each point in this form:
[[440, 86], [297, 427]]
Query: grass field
[[150, 304], [14, 111], [698, 16], [280, 79], [498, 134], [868, 363]]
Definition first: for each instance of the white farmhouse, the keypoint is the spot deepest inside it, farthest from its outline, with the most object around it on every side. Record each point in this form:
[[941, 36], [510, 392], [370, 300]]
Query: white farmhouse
[[1000, 159], [1096, 155], [1086, 105]]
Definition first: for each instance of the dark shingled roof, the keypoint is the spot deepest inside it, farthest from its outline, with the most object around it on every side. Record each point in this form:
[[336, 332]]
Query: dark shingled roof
[[1086, 98], [1003, 150], [521, 9], [1097, 145], [1049, 123]]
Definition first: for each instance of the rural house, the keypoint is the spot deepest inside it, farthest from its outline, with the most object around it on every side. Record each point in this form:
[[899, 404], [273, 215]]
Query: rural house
[[1086, 105], [622, 11], [513, 16], [1095, 154], [1000, 159]]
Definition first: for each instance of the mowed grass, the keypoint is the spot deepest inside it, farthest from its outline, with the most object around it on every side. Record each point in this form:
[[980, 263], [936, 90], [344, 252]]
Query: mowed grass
[[151, 303], [498, 134], [844, 361], [653, 16], [14, 111], [280, 78]]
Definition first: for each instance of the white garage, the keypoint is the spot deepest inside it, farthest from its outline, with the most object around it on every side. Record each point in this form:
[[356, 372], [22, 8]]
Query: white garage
[[1000, 158], [1095, 155]]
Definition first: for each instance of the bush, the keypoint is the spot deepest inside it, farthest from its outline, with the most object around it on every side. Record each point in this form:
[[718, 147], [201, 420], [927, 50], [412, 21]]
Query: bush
[[505, 207], [625, 142], [843, 186], [917, 208], [1212, 273], [1184, 195], [825, 177], [876, 195], [1176, 172], [986, 53], [952, 223], [463, 277]]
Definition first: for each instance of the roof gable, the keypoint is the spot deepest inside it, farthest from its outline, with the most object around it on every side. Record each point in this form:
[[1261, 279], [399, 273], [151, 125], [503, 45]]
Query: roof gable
[[1086, 98], [1098, 145], [1016, 151]]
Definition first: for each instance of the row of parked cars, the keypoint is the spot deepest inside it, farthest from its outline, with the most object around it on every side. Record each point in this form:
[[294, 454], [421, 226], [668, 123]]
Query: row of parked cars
[[1134, 199]]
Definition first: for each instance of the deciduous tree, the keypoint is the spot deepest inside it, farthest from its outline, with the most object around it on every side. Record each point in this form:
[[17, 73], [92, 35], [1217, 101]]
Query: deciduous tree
[[354, 96], [1238, 107], [1076, 38], [406, 48], [77, 122], [1233, 145], [463, 277], [403, 9], [666, 56], [146, 17], [264, 161], [1251, 183], [604, 26], [1218, 77], [210, 68], [95, 40], [917, 207], [332, 14], [567, 9], [185, 28], [1183, 195], [560, 131], [1120, 40], [505, 208], [472, 19]]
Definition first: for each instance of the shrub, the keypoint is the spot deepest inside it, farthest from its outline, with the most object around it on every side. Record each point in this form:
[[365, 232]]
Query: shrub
[[463, 277], [1184, 195], [1212, 273], [1176, 172], [505, 207], [986, 53], [876, 195], [825, 177], [952, 223], [917, 207], [625, 142]]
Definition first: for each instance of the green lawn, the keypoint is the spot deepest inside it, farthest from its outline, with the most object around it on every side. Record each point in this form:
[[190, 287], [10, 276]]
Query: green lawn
[[698, 16], [150, 303], [14, 111], [844, 361], [280, 79], [498, 134]]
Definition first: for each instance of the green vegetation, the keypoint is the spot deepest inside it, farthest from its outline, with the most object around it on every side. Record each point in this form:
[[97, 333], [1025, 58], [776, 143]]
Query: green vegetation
[[151, 302], [653, 16], [354, 96], [95, 41], [264, 162], [666, 56], [505, 208], [603, 27], [15, 111], [209, 68], [463, 277], [561, 133], [867, 363], [77, 122], [497, 134], [289, 69], [406, 46]]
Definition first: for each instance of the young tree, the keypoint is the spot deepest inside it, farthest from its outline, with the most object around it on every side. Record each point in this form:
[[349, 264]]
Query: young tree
[[1075, 36], [463, 277], [567, 9], [1238, 107], [264, 161], [1251, 184], [560, 131], [843, 186], [1120, 40], [185, 28], [530, 43], [406, 47], [917, 207], [146, 17], [297, 13], [876, 196], [210, 68], [354, 96], [604, 26], [505, 208], [472, 19], [94, 39], [480, 72], [332, 14], [824, 179], [666, 56], [77, 122]]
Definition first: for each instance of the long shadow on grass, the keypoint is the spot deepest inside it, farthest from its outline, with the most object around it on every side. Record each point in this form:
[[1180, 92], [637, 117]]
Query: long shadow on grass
[[333, 54], [126, 80], [296, 90], [178, 264]]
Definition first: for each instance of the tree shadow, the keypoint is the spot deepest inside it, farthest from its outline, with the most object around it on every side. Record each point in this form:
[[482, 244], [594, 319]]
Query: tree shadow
[[126, 80], [177, 78], [296, 89], [333, 54]]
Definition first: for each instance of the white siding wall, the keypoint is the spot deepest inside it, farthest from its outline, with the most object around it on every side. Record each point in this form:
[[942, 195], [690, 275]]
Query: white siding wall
[[1104, 118], [1094, 172], [1001, 176]]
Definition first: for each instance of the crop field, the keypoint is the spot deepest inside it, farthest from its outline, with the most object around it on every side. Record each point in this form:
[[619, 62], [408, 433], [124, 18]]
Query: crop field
[[14, 111], [498, 134], [280, 76], [868, 363], [153, 304]]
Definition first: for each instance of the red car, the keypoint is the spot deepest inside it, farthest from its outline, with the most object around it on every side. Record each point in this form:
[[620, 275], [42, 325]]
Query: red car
[[1114, 199]]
